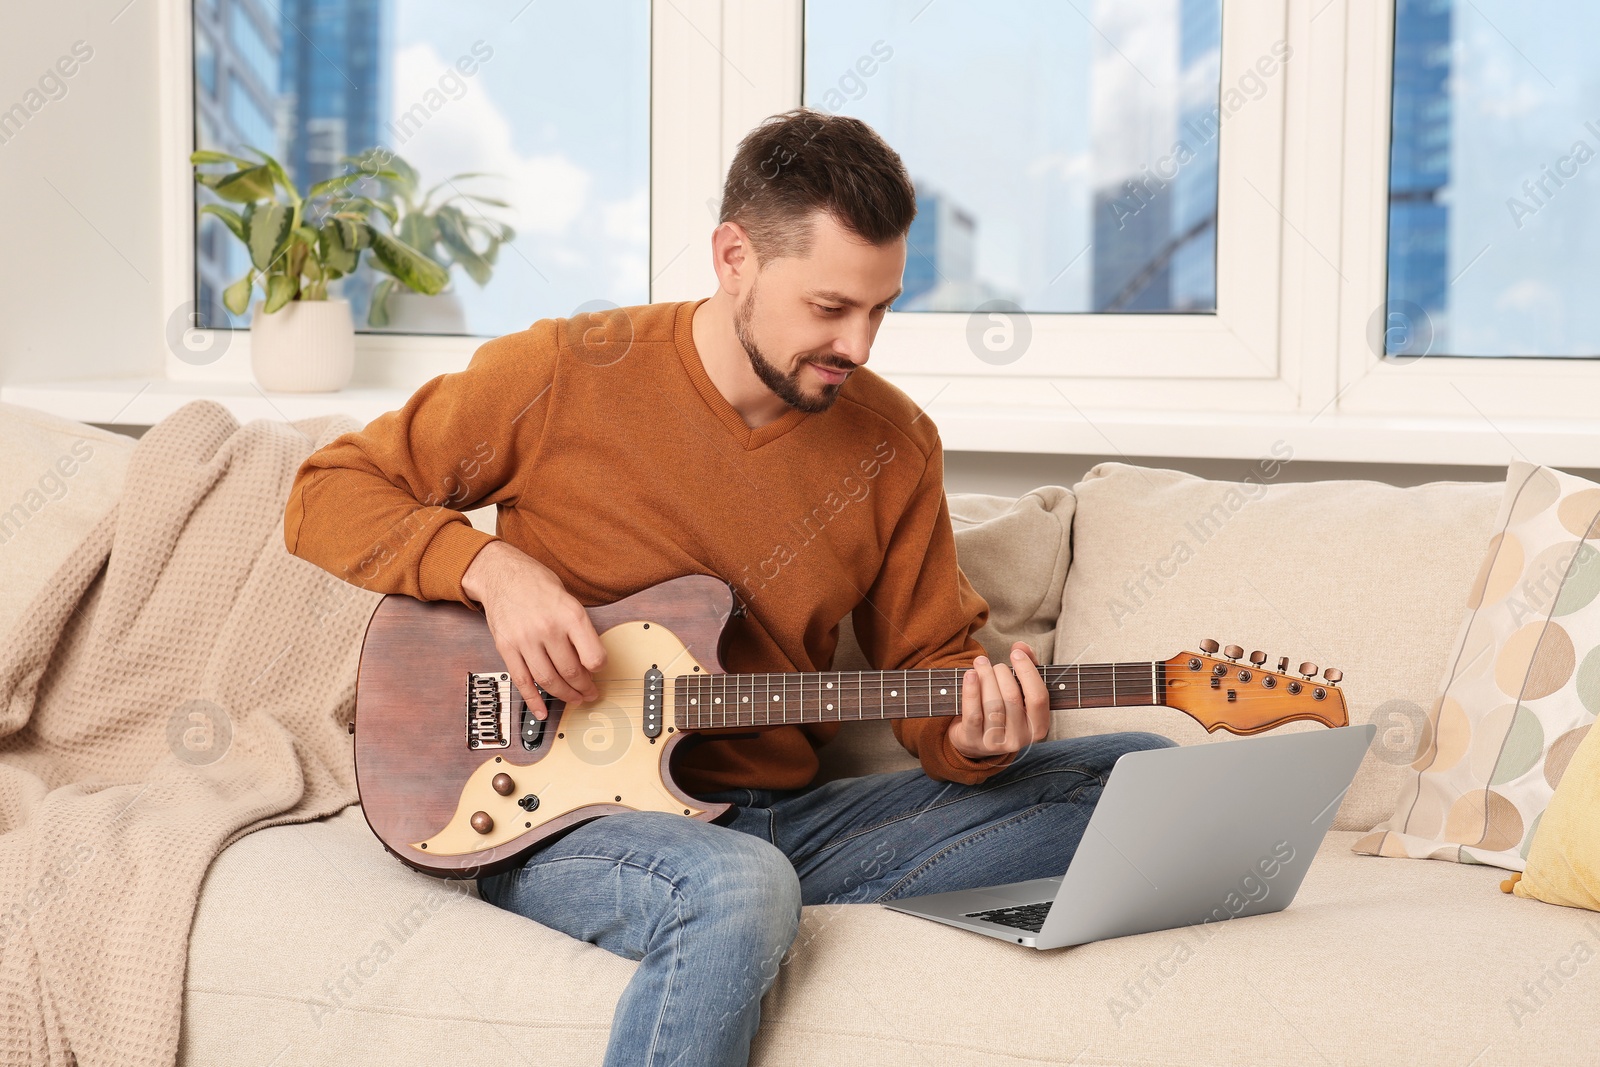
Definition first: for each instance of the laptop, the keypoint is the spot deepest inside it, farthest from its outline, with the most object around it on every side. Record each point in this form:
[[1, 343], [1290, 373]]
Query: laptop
[[1181, 836]]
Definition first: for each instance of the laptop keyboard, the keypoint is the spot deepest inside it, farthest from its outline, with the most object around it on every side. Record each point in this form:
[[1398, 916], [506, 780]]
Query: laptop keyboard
[[1028, 917]]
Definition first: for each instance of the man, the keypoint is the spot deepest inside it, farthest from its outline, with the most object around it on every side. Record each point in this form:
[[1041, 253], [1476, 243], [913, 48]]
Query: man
[[739, 436]]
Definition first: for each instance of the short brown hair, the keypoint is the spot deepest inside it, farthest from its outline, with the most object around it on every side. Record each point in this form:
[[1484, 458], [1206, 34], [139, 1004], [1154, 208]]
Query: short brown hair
[[803, 160]]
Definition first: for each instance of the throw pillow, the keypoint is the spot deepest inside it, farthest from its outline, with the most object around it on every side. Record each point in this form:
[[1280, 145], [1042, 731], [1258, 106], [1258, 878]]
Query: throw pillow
[[1564, 859], [1520, 689], [57, 479]]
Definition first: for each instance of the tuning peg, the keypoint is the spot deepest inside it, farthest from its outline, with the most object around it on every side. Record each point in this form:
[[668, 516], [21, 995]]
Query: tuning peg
[[1308, 668], [1333, 674], [1233, 652], [1208, 646], [1258, 657], [1283, 664]]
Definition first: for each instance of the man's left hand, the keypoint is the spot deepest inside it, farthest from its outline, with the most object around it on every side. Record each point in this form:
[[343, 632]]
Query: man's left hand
[[1001, 712]]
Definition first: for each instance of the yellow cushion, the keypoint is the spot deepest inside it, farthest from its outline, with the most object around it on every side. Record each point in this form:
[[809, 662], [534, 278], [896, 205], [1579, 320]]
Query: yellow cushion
[[1564, 859]]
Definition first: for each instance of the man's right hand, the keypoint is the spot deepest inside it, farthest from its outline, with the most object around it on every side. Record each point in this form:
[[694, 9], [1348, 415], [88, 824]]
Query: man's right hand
[[542, 632]]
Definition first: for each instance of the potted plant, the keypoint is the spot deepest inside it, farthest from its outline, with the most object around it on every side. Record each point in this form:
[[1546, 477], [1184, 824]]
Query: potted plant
[[300, 339], [445, 224]]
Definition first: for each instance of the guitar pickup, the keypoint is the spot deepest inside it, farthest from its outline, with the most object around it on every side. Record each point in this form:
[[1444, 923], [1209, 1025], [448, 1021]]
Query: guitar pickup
[[654, 688], [532, 730]]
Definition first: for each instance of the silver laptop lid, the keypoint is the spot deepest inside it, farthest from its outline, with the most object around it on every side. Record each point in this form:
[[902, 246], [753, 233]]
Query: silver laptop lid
[[1204, 833]]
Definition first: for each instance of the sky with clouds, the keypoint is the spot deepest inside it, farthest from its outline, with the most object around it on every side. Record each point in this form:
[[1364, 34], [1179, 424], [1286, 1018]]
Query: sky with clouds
[[559, 113]]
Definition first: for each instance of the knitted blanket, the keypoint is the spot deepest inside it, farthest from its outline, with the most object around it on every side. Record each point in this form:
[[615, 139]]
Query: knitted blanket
[[180, 682]]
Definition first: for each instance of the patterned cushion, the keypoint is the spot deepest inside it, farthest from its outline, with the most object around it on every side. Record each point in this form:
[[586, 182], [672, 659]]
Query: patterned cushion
[[1521, 688]]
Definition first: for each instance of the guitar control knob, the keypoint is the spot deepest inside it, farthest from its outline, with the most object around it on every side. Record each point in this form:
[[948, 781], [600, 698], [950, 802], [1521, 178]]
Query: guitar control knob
[[1209, 647], [1333, 674], [481, 822], [1308, 668], [1258, 657], [503, 784], [1233, 652]]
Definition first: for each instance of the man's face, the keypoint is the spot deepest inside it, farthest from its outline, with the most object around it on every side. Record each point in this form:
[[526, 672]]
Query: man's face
[[816, 317]]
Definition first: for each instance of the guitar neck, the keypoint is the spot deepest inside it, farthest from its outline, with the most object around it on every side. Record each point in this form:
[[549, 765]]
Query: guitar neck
[[714, 701]]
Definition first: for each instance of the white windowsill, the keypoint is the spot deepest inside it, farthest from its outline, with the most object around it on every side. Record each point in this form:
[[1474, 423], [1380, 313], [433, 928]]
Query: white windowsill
[[1221, 435]]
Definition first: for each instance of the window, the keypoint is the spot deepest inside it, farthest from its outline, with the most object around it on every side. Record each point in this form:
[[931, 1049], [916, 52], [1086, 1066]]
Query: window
[[1494, 195], [251, 47], [1065, 155], [560, 134], [1138, 217], [205, 64]]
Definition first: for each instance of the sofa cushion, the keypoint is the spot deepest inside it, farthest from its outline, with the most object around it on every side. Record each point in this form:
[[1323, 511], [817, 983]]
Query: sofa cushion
[[1358, 575], [1015, 552], [1564, 860], [312, 946], [1521, 688], [57, 479]]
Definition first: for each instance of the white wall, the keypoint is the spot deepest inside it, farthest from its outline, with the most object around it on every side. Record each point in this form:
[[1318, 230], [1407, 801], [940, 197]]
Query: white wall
[[80, 263]]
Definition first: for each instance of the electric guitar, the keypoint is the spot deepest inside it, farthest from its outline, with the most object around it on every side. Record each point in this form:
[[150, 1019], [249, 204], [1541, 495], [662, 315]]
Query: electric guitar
[[458, 778]]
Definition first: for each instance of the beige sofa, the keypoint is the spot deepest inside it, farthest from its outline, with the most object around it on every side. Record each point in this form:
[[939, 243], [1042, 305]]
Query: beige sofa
[[312, 946]]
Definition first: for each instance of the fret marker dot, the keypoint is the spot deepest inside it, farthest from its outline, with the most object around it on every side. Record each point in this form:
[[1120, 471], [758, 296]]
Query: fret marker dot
[[1061, 685], [747, 700], [775, 696], [943, 692], [693, 700], [894, 692], [830, 685], [830, 707], [718, 700]]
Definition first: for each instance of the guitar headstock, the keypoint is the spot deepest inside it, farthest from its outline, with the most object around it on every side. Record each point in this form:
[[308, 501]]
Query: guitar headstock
[[1245, 696]]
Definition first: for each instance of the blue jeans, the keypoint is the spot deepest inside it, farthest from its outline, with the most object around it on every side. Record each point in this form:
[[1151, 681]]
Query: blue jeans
[[710, 910]]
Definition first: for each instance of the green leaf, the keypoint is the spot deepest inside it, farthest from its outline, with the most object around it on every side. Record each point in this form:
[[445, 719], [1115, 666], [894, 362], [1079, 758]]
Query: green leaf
[[378, 312], [236, 297], [276, 170], [490, 200], [280, 290], [242, 186], [336, 254], [269, 231], [231, 219], [389, 211], [420, 232], [404, 171], [338, 184], [202, 156], [416, 271], [453, 232]]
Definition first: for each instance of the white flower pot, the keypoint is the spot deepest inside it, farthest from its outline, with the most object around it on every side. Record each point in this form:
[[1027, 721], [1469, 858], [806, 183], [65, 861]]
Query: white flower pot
[[306, 346]]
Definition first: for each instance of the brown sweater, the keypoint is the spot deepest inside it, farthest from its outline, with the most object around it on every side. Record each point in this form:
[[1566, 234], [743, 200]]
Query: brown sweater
[[613, 459]]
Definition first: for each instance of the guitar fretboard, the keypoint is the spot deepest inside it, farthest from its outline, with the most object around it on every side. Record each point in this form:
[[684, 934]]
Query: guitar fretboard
[[714, 701]]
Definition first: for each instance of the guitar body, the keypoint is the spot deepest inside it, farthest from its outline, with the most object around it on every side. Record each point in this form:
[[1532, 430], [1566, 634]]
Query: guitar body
[[453, 801]]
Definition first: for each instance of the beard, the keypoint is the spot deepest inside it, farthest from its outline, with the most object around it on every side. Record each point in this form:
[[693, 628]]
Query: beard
[[785, 385]]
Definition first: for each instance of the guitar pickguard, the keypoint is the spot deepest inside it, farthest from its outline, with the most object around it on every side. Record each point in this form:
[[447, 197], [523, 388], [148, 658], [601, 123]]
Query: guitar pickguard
[[598, 754]]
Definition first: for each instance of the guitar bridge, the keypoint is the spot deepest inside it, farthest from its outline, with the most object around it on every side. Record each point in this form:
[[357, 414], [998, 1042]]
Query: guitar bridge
[[488, 710]]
